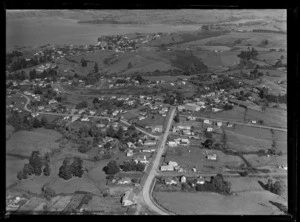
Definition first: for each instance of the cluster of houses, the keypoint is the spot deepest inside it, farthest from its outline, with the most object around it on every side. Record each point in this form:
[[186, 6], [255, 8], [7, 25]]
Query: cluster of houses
[[13, 203], [183, 179]]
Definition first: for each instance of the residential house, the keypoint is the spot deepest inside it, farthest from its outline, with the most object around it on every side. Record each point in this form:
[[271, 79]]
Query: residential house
[[181, 108], [150, 143], [192, 107], [125, 180], [172, 143], [173, 163], [157, 129], [141, 160], [183, 179], [129, 153], [51, 101], [167, 168], [229, 124], [216, 109], [209, 129], [219, 124], [128, 198], [212, 156], [191, 118], [170, 181], [206, 121]]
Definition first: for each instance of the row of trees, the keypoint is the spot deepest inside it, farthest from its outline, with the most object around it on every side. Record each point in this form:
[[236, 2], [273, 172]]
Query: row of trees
[[247, 55], [264, 94], [68, 169], [20, 121], [216, 184], [37, 164], [132, 166]]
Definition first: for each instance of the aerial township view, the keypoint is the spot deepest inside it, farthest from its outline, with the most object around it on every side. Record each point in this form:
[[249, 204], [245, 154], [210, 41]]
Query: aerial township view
[[146, 112]]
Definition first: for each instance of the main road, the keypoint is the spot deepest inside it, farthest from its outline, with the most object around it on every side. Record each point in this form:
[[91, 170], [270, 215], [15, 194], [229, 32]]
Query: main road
[[154, 166]]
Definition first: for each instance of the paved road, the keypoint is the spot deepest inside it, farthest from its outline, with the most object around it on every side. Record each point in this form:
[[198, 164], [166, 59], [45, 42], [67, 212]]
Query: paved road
[[241, 123], [89, 116], [160, 150]]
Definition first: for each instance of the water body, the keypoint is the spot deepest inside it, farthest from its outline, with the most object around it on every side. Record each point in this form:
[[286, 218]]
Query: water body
[[55, 30]]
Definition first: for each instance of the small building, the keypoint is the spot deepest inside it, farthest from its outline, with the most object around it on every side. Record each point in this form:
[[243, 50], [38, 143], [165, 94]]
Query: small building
[[173, 163], [209, 129], [219, 124], [129, 153], [253, 121], [51, 101], [128, 198], [170, 181], [125, 180], [207, 121], [172, 143], [212, 156], [229, 124], [183, 179], [167, 168], [150, 143], [157, 129]]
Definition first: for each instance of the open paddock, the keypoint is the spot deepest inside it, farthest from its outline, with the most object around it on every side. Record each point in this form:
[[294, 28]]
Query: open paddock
[[197, 158], [236, 114], [207, 203], [271, 117]]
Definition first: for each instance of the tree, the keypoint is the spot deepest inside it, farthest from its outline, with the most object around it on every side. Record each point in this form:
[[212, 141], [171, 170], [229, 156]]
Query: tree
[[83, 62], [44, 121], [83, 148], [176, 118], [36, 162], [36, 123], [277, 188], [21, 175], [120, 133], [76, 167], [65, 170], [111, 168], [129, 66], [131, 128], [110, 131], [96, 68], [82, 105], [48, 192], [28, 169], [140, 167], [47, 170]]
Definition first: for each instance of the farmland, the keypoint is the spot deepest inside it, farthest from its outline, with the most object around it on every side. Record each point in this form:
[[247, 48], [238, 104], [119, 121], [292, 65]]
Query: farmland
[[131, 97]]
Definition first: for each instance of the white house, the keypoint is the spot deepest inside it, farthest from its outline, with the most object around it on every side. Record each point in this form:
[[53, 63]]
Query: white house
[[209, 129], [183, 179], [125, 180], [167, 168], [129, 153], [170, 181], [212, 156], [219, 124], [172, 143], [128, 198], [207, 121], [173, 163]]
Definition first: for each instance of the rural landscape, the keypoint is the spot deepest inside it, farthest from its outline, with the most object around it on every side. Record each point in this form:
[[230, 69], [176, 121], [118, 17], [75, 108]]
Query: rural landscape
[[146, 112]]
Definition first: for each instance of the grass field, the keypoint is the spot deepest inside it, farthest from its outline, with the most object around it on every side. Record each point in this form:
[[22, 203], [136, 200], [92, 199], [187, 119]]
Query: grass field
[[236, 114], [9, 131], [205, 203], [271, 117], [197, 158]]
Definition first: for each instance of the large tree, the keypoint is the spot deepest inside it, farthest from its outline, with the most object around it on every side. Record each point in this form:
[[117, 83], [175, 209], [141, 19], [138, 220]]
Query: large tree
[[111, 168]]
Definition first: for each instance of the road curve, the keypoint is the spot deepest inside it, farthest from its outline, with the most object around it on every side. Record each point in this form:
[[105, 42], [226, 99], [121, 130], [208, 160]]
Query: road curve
[[152, 173]]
